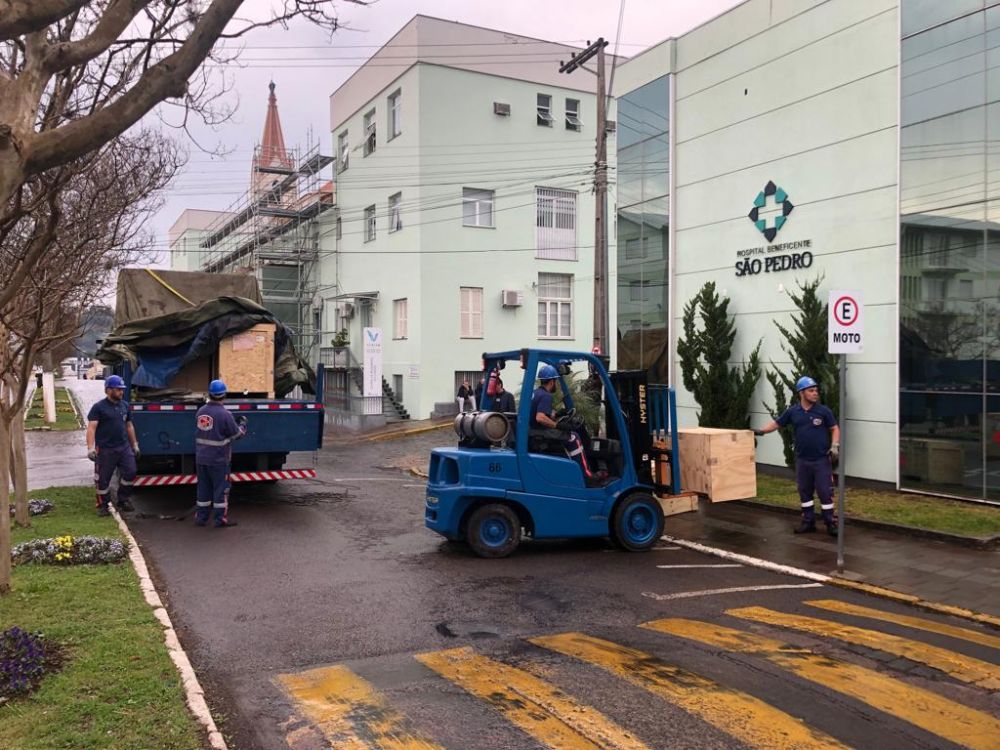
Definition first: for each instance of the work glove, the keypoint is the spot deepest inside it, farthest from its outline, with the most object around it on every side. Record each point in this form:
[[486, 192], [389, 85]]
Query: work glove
[[136, 451], [835, 452], [92, 455], [758, 433]]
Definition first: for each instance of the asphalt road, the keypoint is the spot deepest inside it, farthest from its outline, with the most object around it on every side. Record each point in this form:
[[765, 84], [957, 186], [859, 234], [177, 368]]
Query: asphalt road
[[330, 617]]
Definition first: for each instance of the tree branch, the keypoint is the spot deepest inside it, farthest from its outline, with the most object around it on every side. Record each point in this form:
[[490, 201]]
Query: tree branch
[[18, 17]]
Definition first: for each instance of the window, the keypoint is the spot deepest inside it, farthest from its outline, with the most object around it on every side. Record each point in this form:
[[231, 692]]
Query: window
[[638, 291], [369, 223], [555, 223], [370, 132], [555, 305], [395, 212], [965, 288], [544, 108], [477, 207], [399, 314], [471, 311], [636, 249], [343, 151], [573, 115], [395, 114]]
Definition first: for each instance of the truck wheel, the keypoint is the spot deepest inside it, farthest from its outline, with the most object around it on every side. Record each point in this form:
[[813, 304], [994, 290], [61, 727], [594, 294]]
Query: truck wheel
[[493, 530], [637, 523]]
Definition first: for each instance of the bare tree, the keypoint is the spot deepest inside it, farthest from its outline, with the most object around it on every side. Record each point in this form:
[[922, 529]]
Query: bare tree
[[92, 220], [75, 74]]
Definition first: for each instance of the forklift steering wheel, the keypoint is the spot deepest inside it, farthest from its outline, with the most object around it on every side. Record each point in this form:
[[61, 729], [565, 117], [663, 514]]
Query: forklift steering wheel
[[564, 422]]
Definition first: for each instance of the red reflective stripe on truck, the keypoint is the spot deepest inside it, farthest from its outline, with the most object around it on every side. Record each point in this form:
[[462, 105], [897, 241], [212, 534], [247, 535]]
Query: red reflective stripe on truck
[[169, 480]]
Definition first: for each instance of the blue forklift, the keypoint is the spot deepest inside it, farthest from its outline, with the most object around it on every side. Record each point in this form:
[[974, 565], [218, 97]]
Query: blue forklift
[[506, 481]]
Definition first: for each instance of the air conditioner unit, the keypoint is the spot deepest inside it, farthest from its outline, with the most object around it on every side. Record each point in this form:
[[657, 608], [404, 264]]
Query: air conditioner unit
[[610, 126], [511, 298], [345, 309], [501, 108]]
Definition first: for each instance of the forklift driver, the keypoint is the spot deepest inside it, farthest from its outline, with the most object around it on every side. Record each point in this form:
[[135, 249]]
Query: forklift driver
[[543, 423]]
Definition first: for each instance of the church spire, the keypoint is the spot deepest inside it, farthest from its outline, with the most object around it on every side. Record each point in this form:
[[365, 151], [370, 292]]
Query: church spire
[[272, 145]]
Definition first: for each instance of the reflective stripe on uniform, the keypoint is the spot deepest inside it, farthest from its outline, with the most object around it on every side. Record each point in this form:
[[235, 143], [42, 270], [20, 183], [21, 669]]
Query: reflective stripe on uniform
[[204, 503], [219, 505], [213, 443], [808, 505], [827, 507], [125, 484], [104, 491]]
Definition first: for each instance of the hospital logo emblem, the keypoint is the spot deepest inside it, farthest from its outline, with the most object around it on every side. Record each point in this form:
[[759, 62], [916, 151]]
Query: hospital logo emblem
[[776, 209], [205, 422]]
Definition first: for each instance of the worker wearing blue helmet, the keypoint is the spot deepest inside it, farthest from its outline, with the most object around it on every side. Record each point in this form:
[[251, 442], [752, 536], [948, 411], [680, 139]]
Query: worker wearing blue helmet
[[216, 431], [112, 446], [817, 446], [543, 420]]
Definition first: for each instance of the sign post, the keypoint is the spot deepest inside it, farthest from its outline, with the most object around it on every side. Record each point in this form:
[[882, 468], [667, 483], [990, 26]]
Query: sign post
[[845, 335], [372, 370]]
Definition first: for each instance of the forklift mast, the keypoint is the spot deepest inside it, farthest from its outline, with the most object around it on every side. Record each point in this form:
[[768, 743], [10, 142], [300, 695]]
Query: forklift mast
[[632, 391]]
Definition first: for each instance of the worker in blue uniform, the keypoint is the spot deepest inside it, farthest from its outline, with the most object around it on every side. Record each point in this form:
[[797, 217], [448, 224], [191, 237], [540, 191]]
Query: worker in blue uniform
[[111, 445], [817, 447], [216, 431], [543, 419]]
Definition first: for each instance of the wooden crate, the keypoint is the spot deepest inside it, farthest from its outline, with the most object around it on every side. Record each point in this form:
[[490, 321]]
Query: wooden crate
[[933, 461], [682, 503], [246, 361], [717, 463]]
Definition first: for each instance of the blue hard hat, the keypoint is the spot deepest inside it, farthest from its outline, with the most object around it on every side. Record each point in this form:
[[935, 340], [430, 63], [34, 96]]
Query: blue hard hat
[[114, 381], [216, 388], [548, 372], [805, 382]]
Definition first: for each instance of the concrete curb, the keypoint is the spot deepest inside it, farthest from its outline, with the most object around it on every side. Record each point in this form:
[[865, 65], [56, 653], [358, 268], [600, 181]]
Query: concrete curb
[[193, 692], [976, 542], [865, 588]]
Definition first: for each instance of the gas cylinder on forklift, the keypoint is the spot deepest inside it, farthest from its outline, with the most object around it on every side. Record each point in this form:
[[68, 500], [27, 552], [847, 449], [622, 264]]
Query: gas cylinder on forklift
[[507, 478]]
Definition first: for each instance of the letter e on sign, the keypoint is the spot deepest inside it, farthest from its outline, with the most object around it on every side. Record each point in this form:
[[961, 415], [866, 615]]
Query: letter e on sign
[[845, 322]]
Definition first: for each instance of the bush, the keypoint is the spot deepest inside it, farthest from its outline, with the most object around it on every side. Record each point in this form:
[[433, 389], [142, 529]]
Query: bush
[[69, 550], [25, 658], [36, 507]]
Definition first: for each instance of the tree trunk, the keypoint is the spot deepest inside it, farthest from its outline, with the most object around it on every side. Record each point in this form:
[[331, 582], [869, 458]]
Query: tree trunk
[[19, 469], [5, 543]]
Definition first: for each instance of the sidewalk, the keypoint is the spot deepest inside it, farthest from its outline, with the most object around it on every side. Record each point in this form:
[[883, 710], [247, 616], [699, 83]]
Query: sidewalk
[[933, 570], [58, 459]]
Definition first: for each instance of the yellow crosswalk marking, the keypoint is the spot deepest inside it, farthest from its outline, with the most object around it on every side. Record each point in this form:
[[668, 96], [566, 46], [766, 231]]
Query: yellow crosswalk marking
[[961, 667], [959, 724], [741, 715], [546, 713], [349, 712], [835, 605]]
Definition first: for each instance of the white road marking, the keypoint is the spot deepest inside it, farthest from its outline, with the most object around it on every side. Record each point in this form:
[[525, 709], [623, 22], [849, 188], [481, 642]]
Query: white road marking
[[370, 479], [725, 565], [735, 590], [657, 549], [421, 486], [755, 562]]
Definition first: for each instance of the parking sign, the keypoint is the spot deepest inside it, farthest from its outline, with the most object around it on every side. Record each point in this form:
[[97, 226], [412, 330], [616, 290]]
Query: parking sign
[[845, 323]]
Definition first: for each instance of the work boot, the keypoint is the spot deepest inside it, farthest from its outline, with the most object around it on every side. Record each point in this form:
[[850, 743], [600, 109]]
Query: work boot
[[225, 524], [805, 527], [831, 528], [102, 510], [125, 506], [200, 522]]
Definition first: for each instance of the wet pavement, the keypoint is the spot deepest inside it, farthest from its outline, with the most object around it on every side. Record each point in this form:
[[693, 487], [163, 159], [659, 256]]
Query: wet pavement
[[331, 616], [58, 459]]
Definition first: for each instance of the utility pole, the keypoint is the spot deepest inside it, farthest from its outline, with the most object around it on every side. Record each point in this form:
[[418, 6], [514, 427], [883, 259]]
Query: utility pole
[[600, 190]]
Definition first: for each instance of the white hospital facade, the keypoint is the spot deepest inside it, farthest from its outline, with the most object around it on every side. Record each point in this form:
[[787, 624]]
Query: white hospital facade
[[873, 130]]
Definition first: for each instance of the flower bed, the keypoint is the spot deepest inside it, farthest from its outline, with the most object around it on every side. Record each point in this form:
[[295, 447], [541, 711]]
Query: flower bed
[[70, 550], [36, 507], [25, 658]]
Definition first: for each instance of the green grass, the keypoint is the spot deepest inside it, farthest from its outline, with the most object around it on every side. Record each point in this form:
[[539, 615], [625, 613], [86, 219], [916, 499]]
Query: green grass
[[934, 513], [65, 414], [118, 687]]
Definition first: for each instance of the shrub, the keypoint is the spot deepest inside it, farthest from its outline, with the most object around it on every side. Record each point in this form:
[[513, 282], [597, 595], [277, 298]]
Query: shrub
[[70, 550], [36, 507], [25, 658]]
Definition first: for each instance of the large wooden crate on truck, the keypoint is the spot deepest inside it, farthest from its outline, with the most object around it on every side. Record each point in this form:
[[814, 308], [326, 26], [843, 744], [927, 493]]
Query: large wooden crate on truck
[[246, 361], [718, 463]]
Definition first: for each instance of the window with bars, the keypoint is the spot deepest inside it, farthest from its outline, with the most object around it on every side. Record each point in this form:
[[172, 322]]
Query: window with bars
[[395, 110], [399, 318], [395, 212], [555, 224], [471, 311], [343, 151], [477, 207], [573, 121], [544, 110], [369, 132], [555, 305], [369, 223]]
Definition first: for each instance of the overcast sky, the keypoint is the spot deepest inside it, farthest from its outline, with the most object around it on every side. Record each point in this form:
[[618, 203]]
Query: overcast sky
[[307, 65]]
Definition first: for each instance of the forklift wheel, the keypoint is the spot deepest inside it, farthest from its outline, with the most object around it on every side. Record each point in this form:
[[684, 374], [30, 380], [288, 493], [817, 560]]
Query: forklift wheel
[[493, 530], [638, 522]]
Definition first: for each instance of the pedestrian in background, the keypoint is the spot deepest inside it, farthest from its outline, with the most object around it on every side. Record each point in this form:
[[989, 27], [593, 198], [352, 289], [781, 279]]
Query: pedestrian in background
[[217, 429], [478, 395], [817, 446], [111, 445], [464, 395]]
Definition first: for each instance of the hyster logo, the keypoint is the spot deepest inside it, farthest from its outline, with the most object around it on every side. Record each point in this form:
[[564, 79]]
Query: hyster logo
[[781, 208]]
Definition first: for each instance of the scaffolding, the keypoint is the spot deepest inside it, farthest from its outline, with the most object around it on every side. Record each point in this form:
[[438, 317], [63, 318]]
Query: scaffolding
[[272, 230]]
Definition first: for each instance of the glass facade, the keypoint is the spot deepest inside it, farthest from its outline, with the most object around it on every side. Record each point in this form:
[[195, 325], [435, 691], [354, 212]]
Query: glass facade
[[643, 222], [949, 299]]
